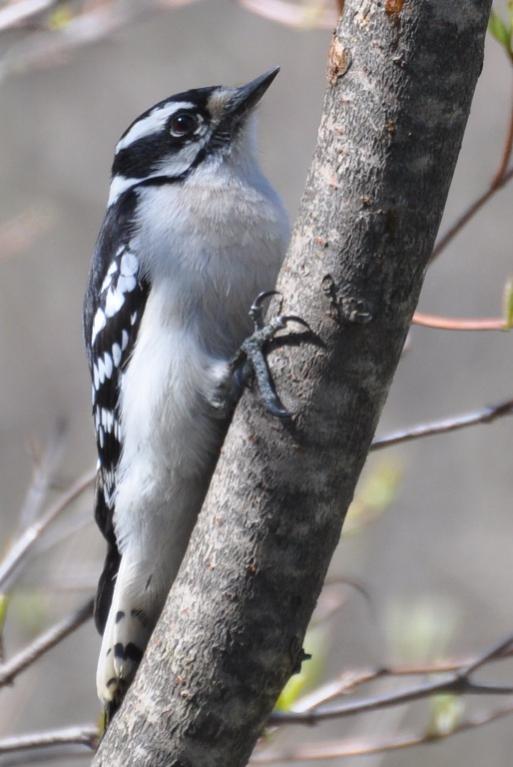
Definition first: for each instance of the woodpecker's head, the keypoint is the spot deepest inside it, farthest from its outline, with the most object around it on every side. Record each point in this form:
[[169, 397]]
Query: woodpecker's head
[[186, 131]]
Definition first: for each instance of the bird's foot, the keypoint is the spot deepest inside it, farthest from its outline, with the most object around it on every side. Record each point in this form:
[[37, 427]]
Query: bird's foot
[[251, 361]]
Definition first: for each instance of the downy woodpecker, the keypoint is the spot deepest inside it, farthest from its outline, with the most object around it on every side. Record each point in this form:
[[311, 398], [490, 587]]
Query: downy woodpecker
[[192, 233]]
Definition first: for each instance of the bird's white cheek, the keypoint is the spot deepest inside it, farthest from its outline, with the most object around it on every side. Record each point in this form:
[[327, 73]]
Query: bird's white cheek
[[174, 164]]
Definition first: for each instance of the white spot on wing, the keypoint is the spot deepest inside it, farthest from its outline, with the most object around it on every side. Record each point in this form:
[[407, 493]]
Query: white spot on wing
[[101, 370], [107, 360], [106, 283], [129, 264], [111, 271], [116, 354], [114, 302], [99, 323], [124, 339], [107, 420], [126, 284]]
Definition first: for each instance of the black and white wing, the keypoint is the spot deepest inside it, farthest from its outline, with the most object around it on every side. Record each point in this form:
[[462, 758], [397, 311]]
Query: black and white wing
[[114, 305]]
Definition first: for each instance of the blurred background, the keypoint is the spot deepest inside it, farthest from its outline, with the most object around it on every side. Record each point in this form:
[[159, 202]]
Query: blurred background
[[424, 570]]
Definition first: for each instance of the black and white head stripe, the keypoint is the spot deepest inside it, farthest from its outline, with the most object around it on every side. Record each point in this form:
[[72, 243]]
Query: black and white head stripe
[[149, 148], [172, 138], [153, 122]]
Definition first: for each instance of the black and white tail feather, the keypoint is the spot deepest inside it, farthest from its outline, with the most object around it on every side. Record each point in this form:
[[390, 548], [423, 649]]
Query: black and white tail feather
[[193, 232]]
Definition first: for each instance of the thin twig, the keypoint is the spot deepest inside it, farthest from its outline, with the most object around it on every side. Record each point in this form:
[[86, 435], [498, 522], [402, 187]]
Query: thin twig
[[67, 528], [471, 211], [506, 152], [87, 735], [22, 546], [456, 685], [44, 467], [500, 179], [497, 650], [349, 681], [19, 233], [458, 323], [458, 682], [347, 748], [51, 46], [20, 12], [444, 425], [45, 642]]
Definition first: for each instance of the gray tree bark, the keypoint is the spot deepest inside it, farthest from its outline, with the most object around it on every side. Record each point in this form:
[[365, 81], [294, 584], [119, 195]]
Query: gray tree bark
[[401, 76]]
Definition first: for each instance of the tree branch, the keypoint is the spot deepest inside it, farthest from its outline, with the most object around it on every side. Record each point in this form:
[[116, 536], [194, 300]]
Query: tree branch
[[351, 747], [459, 682], [93, 22], [501, 178], [23, 545], [444, 425], [350, 680], [459, 323], [456, 685], [506, 152], [232, 629], [23, 11], [45, 642], [471, 211], [86, 735]]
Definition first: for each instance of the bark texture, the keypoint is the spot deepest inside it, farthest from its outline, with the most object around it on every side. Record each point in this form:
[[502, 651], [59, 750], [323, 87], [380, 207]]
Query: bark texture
[[401, 75]]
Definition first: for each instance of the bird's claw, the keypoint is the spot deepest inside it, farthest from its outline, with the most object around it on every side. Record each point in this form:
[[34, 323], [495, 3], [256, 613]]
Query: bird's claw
[[252, 355], [256, 310], [294, 318]]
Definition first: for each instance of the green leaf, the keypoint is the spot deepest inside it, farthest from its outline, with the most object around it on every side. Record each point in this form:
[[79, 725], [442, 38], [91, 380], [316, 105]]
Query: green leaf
[[507, 303], [445, 716], [29, 609], [311, 670], [60, 18], [376, 493], [500, 31], [3, 610], [510, 11], [420, 631]]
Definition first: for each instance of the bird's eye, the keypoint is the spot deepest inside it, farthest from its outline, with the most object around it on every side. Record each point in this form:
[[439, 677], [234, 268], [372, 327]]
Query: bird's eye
[[183, 124]]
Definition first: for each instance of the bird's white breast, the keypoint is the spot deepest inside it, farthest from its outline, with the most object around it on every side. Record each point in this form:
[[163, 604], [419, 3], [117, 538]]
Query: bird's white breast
[[210, 245], [207, 248]]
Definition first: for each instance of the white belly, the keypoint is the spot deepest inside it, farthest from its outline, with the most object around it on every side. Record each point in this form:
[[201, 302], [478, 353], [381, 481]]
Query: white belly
[[206, 255]]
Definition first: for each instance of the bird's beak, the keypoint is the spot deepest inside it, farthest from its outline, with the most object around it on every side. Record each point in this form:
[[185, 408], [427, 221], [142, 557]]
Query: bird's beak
[[244, 98]]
